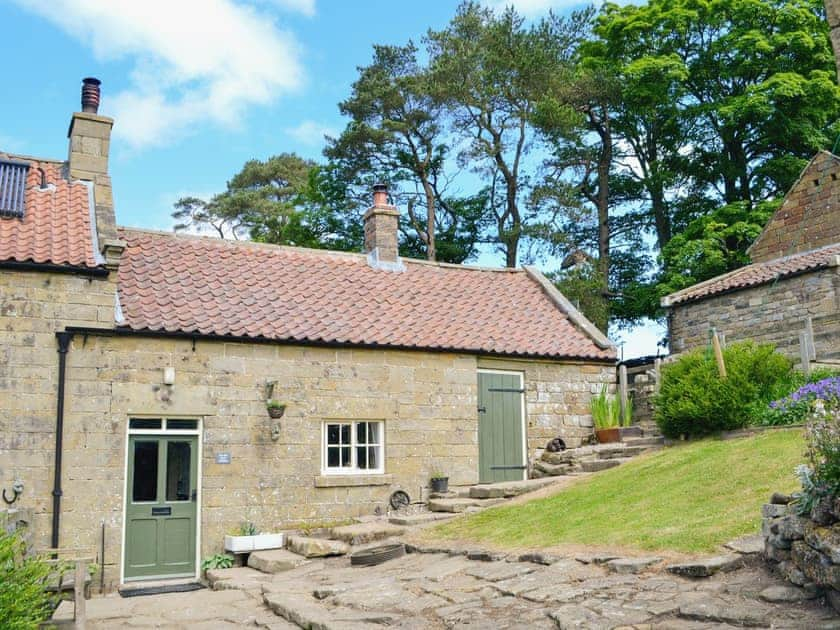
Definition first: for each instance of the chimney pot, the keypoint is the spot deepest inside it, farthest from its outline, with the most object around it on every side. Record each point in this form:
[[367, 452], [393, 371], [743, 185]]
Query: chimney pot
[[90, 95], [380, 194]]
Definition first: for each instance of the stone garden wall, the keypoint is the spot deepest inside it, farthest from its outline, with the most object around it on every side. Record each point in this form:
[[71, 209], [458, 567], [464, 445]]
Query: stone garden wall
[[771, 313], [804, 550]]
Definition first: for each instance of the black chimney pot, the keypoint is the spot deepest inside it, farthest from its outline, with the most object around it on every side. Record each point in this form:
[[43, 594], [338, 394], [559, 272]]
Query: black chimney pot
[[90, 95]]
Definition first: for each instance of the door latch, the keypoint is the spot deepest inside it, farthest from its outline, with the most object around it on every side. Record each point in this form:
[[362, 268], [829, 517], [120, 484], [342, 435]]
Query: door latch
[[482, 410], [194, 496]]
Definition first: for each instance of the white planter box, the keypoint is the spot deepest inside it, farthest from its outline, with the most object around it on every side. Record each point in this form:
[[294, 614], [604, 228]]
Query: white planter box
[[244, 544]]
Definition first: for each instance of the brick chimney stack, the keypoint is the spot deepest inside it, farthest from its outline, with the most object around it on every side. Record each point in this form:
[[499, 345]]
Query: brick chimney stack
[[381, 223], [90, 143]]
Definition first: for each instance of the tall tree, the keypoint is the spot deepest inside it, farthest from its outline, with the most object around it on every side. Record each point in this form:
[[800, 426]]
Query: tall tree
[[487, 68], [396, 134], [284, 200]]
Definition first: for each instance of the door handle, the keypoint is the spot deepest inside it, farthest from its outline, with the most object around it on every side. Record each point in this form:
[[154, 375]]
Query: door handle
[[482, 410], [194, 496]]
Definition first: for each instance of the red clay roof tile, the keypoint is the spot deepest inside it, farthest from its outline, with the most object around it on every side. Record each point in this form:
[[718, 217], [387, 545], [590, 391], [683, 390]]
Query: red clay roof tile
[[758, 273], [55, 227], [178, 283]]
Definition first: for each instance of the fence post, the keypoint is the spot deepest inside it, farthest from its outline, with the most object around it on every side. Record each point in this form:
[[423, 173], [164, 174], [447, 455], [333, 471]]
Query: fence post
[[79, 594], [809, 331], [622, 391], [805, 353], [718, 354]]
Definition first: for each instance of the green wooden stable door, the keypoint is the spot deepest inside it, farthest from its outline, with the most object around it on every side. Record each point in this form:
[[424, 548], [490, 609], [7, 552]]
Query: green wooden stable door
[[161, 506], [501, 453]]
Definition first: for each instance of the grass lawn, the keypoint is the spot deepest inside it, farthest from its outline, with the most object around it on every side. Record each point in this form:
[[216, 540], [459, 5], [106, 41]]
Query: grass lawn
[[688, 498]]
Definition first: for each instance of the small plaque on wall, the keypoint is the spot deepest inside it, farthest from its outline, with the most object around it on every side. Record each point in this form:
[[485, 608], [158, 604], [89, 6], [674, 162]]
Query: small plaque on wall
[[223, 458]]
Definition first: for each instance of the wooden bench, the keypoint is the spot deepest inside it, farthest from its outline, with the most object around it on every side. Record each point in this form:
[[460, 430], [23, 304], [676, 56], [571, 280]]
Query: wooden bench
[[77, 582]]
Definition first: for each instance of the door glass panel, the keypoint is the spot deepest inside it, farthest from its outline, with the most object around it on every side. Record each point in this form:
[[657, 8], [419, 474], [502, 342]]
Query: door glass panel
[[145, 471], [178, 471]]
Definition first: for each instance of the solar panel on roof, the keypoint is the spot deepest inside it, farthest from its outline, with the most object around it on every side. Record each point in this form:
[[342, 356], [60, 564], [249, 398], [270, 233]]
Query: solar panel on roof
[[12, 188]]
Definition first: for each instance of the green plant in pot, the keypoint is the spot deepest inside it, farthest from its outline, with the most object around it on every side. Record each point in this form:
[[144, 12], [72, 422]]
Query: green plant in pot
[[275, 408], [439, 482], [606, 416]]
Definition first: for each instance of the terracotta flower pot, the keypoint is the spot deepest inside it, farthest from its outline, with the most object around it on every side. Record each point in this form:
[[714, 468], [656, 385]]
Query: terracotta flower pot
[[607, 436]]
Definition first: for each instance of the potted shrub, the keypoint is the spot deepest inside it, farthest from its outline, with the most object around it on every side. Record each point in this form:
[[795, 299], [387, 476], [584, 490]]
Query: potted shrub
[[249, 540], [439, 482], [605, 417], [275, 408]]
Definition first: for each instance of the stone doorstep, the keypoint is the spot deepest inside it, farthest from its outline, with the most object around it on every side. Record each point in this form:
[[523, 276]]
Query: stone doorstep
[[460, 505], [507, 488]]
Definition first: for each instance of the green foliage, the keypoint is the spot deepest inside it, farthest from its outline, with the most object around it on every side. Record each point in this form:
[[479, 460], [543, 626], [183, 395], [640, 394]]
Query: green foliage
[[284, 200], [712, 244], [583, 287], [820, 478], [606, 410], [217, 561], [271, 403], [694, 400], [24, 603], [247, 528]]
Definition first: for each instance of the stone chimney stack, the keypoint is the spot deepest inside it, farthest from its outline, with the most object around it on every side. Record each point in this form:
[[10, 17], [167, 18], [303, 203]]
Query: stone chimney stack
[[381, 223], [90, 143]]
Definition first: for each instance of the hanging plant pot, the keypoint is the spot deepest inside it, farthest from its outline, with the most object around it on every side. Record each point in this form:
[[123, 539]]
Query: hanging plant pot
[[276, 411], [607, 436]]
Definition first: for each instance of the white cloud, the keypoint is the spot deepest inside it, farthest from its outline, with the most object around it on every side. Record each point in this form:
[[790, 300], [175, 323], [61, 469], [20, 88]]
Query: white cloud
[[311, 133], [194, 60]]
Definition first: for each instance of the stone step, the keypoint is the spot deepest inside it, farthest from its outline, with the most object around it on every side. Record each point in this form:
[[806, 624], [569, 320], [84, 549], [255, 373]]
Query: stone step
[[235, 578], [316, 547], [555, 470], [460, 504], [597, 465], [360, 533], [507, 488], [623, 453], [419, 519], [651, 440], [274, 560]]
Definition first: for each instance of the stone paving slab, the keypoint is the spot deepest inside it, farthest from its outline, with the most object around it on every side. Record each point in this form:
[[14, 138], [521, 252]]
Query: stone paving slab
[[360, 533], [420, 519], [274, 560], [460, 504]]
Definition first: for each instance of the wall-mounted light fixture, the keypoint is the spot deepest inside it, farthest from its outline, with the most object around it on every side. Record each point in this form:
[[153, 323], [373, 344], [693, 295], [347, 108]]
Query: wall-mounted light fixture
[[169, 376]]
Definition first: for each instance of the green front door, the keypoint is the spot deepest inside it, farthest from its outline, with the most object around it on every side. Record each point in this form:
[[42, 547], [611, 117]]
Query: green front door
[[500, 427], [161, 506]]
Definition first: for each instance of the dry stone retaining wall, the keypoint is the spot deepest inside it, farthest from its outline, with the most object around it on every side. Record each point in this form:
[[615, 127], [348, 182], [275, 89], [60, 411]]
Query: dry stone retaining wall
[[805, 551]]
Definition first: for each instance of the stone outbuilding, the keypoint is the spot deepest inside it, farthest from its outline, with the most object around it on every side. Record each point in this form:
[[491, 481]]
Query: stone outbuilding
[[136, 370], [794, 277]]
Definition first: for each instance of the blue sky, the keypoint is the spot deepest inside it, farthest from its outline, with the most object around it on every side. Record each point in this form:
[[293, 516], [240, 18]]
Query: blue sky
[[197, 87]]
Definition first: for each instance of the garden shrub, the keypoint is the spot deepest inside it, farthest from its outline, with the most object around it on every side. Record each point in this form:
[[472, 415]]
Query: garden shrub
[[24, 603], [694, 400], [820, 478]]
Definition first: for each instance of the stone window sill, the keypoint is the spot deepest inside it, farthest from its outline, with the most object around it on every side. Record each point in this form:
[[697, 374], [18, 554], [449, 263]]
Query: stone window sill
[[339, 481]]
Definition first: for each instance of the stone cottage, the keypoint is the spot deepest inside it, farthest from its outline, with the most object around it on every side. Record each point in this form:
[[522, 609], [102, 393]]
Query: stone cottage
[[794, 276], [136, 367]]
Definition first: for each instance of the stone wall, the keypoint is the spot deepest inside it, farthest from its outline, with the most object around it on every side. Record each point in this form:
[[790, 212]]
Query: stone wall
[[33, 307], [427, 401], [804, 549], [771, 313]]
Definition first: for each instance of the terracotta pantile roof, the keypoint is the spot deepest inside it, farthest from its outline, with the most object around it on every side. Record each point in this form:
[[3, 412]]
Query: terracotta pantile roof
[[211, 286], [758, 273], [56, 225]]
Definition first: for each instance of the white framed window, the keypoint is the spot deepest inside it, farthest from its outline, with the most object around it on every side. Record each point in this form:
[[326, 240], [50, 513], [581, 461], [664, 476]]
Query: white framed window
[[353, 447]]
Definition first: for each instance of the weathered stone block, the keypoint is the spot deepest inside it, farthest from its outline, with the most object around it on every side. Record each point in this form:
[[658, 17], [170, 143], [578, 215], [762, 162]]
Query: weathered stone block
[[815, 565], [826, 540]]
